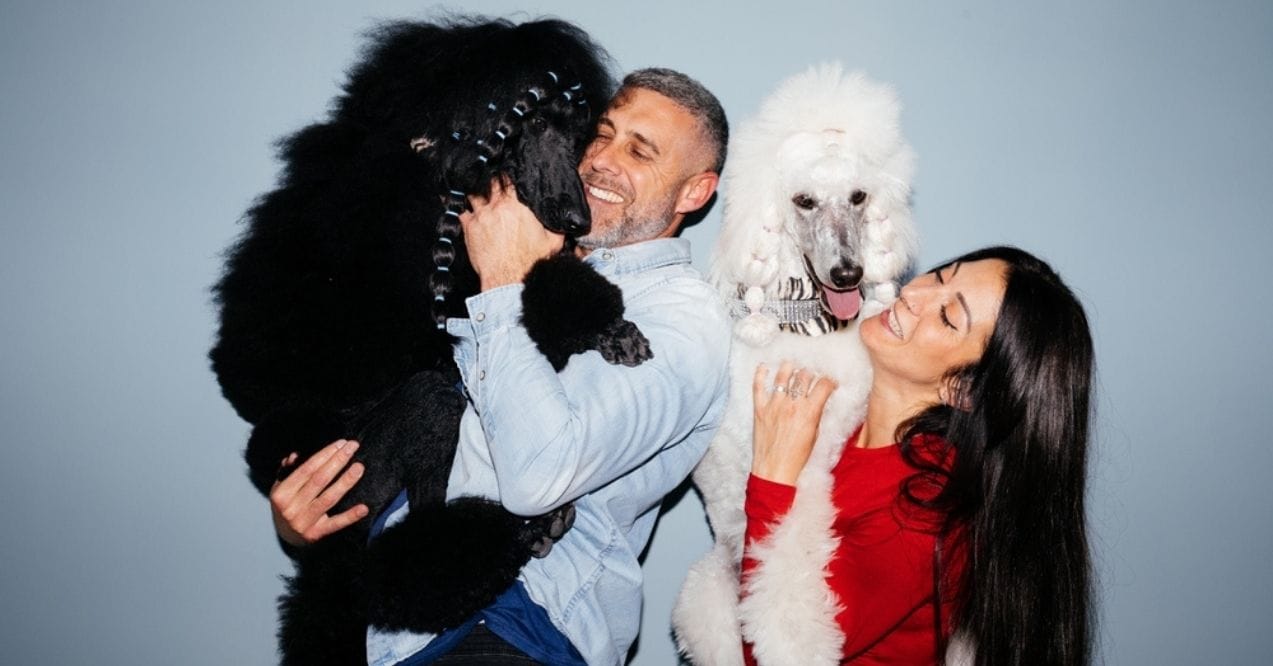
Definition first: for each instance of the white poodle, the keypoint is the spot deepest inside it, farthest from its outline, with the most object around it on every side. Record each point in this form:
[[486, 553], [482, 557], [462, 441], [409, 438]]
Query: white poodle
[[816, 236]]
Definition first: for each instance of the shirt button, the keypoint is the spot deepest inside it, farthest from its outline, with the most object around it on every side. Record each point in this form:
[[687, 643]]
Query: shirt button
[[607, 255], [481, 375], [481, 316]]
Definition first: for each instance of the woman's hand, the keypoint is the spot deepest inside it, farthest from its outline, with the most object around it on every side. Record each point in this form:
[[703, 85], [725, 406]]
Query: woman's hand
[[301, 501], [786, 420]]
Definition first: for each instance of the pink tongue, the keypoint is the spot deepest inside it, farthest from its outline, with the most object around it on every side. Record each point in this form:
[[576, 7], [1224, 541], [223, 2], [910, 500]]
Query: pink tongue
[[844, 304]]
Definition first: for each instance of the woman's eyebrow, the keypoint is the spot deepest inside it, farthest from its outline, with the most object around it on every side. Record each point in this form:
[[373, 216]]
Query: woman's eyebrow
[[967, 310]]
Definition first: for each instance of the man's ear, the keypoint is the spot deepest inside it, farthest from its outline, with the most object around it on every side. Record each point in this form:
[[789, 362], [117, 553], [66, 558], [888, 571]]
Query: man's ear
[[696, 192]]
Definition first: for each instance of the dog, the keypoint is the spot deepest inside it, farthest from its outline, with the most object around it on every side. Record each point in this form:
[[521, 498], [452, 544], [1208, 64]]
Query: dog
[[816, 236], [334, 301]]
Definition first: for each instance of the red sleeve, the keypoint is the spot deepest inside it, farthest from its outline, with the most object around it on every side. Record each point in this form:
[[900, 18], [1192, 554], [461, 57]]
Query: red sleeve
[[767, 502]]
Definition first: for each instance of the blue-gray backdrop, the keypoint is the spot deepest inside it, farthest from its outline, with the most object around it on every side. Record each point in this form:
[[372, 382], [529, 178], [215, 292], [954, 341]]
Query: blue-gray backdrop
[[1127, 142]]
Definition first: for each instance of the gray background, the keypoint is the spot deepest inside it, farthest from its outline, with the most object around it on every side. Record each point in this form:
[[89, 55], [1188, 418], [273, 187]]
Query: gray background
[[1128, 143]]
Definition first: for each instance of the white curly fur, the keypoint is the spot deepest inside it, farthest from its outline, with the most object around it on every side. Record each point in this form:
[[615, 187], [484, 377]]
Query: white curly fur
[[824, 133]]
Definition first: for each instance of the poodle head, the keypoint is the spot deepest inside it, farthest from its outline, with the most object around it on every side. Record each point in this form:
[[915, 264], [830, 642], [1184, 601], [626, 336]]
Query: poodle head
[[818, 187], [477, 99]]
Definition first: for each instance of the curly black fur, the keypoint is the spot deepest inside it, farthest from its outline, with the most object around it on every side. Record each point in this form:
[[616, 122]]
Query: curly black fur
[[332, 300]]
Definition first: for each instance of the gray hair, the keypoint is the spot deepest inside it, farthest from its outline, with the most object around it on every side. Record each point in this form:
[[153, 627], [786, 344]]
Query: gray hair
[[693, 97]]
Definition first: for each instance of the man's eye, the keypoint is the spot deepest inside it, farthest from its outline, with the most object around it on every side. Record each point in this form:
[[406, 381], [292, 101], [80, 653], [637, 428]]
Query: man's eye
[[639, 154]]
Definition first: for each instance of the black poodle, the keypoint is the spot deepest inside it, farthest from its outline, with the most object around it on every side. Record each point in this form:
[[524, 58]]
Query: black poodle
[[333, 303]]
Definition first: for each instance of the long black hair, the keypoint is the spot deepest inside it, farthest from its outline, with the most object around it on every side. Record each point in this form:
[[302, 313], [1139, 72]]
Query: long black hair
[[1014, 495]]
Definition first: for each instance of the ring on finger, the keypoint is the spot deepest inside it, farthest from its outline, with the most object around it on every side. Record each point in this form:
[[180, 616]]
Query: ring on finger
[[780, 389]]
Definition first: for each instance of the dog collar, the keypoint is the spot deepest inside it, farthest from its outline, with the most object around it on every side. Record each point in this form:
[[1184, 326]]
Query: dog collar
[[785, 311]]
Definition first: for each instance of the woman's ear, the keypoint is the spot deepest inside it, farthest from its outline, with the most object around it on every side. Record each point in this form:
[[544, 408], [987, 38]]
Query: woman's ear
[[952, 394]]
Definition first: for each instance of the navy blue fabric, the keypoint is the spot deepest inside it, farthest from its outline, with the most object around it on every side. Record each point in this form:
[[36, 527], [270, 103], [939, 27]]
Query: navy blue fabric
[[513, 617], [516, 619]]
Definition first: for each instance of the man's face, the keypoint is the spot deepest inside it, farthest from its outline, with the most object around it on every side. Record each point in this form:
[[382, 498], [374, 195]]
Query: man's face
[[646, 149]]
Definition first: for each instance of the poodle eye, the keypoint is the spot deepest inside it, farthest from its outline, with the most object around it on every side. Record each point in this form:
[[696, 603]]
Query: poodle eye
[[804, 202], [857, 197], [538, 124]]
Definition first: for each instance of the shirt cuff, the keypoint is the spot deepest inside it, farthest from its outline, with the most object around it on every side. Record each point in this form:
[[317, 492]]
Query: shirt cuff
[[496, 309], [767, 501]]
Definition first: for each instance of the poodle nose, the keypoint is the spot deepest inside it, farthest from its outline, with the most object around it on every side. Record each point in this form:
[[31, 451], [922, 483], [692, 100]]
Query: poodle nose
[[561, 216], [574, 222], [846, 275]]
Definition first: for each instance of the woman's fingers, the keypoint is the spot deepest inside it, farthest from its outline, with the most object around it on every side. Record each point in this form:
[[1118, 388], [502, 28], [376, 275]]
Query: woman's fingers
[[821, 390], [759, 385], [785, 370]]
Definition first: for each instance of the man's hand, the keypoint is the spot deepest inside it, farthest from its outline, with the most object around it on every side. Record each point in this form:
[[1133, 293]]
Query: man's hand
[[504, 238], [300, 502]]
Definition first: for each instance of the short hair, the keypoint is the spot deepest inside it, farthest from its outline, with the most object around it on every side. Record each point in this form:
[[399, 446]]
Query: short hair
[[693, 97]]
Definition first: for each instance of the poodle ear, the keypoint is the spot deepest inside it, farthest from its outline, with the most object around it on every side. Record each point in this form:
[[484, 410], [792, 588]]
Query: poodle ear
[[745, 249]]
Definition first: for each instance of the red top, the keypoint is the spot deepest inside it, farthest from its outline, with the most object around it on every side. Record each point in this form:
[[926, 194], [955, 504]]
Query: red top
[[882, 570]]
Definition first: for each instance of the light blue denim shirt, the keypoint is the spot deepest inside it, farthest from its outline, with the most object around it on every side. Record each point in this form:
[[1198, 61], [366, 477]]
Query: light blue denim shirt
[[612, 439]]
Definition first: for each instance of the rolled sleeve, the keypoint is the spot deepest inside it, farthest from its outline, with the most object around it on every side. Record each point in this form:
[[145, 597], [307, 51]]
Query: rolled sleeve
[[555, 436]]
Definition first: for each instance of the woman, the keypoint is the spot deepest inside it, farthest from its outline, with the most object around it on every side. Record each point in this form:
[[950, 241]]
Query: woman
[[960, 500]]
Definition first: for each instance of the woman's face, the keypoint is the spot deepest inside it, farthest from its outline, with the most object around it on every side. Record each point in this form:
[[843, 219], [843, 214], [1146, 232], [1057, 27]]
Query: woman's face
[[942, 320]]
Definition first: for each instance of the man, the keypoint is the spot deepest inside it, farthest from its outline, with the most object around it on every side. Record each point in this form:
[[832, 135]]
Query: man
[[612, 439]]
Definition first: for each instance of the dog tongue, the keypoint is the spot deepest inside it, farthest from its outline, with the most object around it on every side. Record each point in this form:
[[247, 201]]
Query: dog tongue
[[844, 304]]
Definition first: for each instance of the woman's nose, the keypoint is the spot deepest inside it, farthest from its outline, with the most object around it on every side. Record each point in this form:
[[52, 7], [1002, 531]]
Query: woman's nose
[[914, 296]]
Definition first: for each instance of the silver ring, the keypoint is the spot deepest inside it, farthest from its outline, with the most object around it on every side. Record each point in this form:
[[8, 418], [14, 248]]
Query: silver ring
[[780, 389]]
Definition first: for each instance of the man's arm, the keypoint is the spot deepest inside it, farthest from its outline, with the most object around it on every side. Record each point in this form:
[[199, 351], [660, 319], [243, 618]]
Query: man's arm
[[553, 437]]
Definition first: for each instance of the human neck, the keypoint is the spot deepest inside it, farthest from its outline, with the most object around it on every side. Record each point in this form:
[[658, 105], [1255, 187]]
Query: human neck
[[888, 406]]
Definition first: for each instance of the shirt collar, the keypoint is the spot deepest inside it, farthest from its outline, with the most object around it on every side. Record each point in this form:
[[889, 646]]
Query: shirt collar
[[639, 257]]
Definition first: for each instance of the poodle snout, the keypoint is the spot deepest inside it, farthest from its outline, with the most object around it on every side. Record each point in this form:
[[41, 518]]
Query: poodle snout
[[846, 275], [564, 216]]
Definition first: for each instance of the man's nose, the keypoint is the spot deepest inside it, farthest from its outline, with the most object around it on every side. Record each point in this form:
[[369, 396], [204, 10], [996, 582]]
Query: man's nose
[[599, 158]]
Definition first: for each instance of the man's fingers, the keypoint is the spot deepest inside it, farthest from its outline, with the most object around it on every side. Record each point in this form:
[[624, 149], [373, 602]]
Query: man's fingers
[[333, 494], [322, 477], [288, 486], [337, 522]]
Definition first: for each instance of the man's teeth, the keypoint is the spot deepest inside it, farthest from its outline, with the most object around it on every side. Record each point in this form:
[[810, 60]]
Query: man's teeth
[[604, 195]]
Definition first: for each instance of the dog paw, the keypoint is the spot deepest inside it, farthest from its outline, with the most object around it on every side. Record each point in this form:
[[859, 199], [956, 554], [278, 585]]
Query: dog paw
[[756, 329], [624, 344], [541, 532]]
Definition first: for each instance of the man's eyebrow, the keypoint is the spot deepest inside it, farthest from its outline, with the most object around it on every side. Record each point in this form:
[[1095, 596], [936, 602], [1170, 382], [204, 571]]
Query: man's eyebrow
[[643, 140], [605, 121]]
